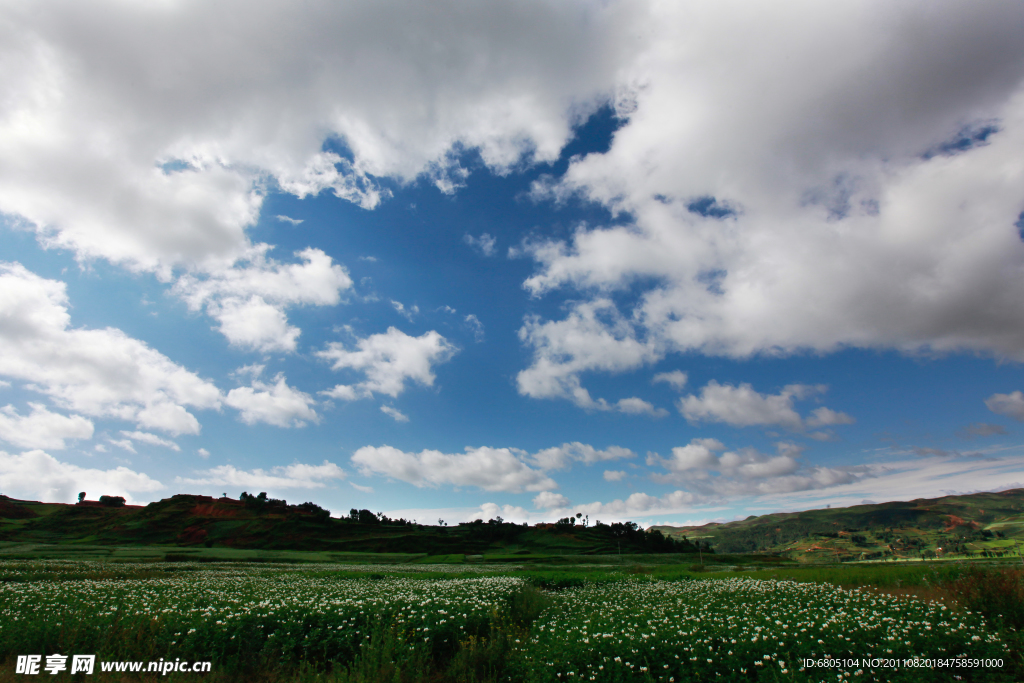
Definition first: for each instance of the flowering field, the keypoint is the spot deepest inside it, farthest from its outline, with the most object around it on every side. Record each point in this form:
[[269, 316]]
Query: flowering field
[[337, 622], [273, 614], [746, 629]]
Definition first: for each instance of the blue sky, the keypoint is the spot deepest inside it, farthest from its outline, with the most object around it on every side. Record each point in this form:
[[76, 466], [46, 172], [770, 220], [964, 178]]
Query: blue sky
[[663, 263]]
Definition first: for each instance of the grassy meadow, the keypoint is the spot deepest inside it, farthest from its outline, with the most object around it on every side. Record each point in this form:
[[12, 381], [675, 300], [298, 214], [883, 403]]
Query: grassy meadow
[[400, 619]]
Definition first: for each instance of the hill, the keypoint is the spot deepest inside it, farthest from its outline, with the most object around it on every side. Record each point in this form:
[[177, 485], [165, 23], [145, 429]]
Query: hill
[[975, 525], [189, 521]]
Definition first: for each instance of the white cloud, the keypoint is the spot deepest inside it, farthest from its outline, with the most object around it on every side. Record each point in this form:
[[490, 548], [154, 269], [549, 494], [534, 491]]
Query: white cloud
[[36, 475], [638, 406], [774, 167], [203, 453], [476, 326], [97, 372], [388, 360], [278, 404], [364, 489], [149, 134], [491, 469], [639, 504], [289, 219], [41, 428], [743, 407], [699, 454], [394, 413], [593, 337], [822, 417], [344, 392], [561, 457], [614, 475], [125, 444], [249, 302], [508, 513], [546, 500], [897, 478], [676, 379], [407, 313], [485, 243], [152, 439], [295, 476], [746, 471], [1010, 405]]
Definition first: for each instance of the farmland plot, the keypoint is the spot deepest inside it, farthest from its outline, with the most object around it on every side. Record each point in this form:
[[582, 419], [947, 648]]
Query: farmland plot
[[745, 629], [324, 618]]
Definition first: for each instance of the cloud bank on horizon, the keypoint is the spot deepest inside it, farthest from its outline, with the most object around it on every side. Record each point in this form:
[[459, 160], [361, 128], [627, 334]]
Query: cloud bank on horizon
[[768, 257]]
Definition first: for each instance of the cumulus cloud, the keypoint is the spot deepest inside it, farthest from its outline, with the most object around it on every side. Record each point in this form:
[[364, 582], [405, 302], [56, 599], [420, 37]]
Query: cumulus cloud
[[485, 243], [676, 379], [614, 475], [250, 301], [203, 453], [96, 372], [561, 457], [276, 404], [491, 469], [152, 439], [593, 337], [41, 428], [638, 406], [546, 500], [821, 417], [707, 467], [641, 504], [741, 406], [149, 135], [294, 476], [394, 413], [388, 360], [508, 513], [699, 454], [36, 475], [1010, 405], [885, 219]]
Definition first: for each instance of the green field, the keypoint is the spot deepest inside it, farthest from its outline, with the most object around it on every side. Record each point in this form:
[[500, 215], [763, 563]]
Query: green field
[[979, 525], [265, 592], [648, 619]]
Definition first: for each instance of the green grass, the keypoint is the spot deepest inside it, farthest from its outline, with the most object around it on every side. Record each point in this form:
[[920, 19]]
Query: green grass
[[412, 621]]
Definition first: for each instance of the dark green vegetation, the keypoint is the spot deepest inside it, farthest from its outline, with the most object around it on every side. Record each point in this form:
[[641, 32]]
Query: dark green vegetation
[[975, 525], [234, 528]]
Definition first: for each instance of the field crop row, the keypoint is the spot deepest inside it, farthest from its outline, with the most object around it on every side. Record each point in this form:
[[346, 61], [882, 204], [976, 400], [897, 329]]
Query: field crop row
[[333, 624]]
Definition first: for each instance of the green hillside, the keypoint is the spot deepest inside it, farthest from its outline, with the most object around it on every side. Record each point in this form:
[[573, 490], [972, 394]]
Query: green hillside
[[196, 522], [975, 525]]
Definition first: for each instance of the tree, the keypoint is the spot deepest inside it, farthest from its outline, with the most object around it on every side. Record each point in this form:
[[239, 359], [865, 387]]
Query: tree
[[81, 497]]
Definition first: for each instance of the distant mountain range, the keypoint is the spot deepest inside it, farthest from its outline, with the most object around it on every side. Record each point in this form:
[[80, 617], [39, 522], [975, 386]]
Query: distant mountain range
[[256, 522], [974, 525]]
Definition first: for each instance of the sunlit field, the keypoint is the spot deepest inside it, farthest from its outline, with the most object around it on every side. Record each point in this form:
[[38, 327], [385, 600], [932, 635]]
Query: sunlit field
[[486, 623]]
